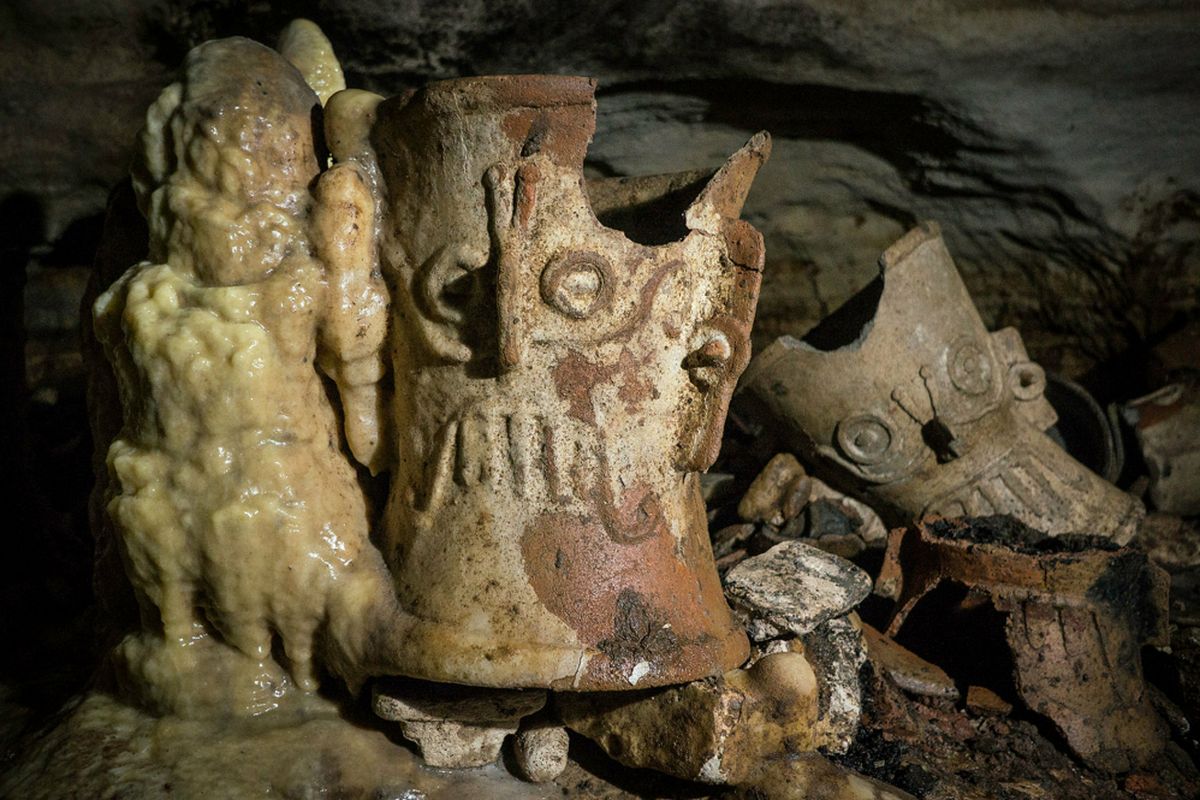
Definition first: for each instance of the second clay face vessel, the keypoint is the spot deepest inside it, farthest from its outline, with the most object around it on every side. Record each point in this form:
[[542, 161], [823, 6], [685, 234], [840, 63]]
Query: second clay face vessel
[[903, 392]]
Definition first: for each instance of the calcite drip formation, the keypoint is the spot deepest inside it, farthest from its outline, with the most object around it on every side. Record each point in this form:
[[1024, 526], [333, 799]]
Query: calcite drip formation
[[239, 519]]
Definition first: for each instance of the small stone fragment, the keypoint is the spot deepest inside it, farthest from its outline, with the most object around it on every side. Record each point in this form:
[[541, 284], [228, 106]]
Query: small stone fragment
[[541, 751], [809, 776], [456, 745], [826, 517], [825, 512], [983, 700], [846, 546], [870, 528], [454, 726], [731, 537], [731, 560], [909, 671], [796, 496], [767, 536], [765, 499], [794, 587]]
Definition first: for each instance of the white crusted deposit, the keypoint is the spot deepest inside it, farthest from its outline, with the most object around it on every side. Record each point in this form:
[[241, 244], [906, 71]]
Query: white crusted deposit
[[794, 587]]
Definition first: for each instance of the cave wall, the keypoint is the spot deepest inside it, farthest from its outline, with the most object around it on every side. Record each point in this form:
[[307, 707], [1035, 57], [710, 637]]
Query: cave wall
[[1054, 141]]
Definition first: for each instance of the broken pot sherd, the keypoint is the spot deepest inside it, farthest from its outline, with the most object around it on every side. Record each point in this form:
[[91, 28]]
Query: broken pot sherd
[[793, 588], [1078, 611]]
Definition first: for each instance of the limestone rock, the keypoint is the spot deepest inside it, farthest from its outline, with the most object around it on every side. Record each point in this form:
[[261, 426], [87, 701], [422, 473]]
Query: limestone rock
[[802, 696], [794, 587], [541, 751], [714, 731], [777, 494]]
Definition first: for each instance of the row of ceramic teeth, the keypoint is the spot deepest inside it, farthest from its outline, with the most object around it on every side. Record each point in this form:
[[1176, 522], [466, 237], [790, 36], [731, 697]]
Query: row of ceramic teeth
[[521, 452], [1024, 482]]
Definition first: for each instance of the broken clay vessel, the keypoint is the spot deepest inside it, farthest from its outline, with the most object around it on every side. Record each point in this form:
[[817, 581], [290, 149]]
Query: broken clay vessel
[[558, 386], [1078, 611], [903, 393]]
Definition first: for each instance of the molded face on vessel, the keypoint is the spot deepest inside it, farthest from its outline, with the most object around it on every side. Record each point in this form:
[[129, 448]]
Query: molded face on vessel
[[557, 386], [904, 392]]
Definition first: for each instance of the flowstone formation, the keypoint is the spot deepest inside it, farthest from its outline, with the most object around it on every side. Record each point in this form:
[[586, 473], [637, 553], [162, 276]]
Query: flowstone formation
[[238, 519]]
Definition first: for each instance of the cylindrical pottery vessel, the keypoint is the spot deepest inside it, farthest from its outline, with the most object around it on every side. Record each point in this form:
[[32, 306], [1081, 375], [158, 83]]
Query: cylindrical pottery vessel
[[557, 388]]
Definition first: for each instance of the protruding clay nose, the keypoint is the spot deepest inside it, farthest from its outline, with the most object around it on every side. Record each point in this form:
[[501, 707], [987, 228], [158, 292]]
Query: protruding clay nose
[[512, 195]]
